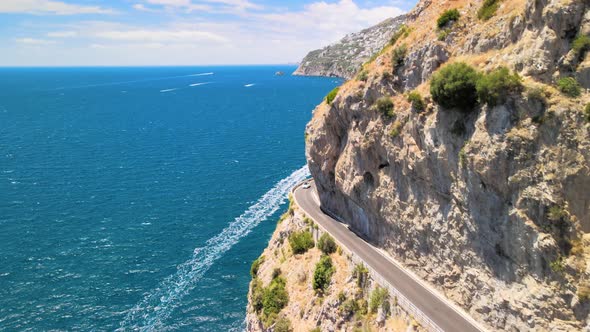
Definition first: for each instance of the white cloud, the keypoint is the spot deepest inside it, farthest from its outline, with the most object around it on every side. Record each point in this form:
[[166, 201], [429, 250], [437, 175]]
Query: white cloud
[[62, 34], [162, 36], [49, 7], [34, 41]]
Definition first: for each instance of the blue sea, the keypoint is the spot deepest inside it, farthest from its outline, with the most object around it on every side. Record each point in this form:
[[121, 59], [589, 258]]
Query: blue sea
[[136, 198]]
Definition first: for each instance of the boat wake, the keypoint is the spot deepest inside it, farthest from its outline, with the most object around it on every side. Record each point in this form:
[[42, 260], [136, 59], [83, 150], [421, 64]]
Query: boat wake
[[151, 312]]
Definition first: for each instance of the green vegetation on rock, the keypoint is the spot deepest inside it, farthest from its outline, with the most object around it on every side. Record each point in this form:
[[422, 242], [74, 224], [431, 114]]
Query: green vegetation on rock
[[332, 95], [451, 15], [363, 75], [283, 325], [396, 129], [379, 297], [360, 273], [493, 88], [274, 299], [255, 266], [581, 45], [322, 274], [569, 87], [384, 105], [402, 32], [300, 242], [398, 56], [454, 86], [415, 98], [587, 112], [488, 9], [327, 244]]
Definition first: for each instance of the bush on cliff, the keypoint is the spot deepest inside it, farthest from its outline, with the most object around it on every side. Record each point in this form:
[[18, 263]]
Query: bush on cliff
[[587, 112], [415, 98], [454, 86], [332, 95], [274, 297], [283, 325], [581, 45], [398, 56], [379, 297], [488, 9], [322, 275], [384, 105], [327, 244], [569, 87], [300, 242], [492, 88], [255, 266], [451, 15]]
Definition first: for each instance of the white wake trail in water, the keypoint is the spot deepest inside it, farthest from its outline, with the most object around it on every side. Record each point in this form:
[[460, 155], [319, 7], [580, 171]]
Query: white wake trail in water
[[151, 313]]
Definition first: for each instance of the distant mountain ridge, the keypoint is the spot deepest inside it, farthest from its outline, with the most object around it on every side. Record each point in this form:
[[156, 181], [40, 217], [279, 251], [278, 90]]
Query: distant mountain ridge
[[344, 58]]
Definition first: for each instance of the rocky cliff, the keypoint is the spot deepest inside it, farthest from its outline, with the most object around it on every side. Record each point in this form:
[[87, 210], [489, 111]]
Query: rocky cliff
[[489, 204], [282, 296], [344, 58]]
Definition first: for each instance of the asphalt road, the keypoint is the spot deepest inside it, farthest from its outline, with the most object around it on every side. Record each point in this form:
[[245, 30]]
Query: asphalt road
[[439, 311]]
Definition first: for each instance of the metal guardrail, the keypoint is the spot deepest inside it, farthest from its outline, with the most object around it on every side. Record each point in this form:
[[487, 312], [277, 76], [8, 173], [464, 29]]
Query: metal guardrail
[[402, 301]]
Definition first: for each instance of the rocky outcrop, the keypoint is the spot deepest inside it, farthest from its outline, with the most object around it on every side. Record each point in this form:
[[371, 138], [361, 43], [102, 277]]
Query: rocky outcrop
[[344, 306], [345, 58], [491, 207]]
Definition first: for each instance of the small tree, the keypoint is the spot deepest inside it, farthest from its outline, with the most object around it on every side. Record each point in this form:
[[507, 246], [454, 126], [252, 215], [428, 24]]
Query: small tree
[[451, 15], [494, 87], [255, 266], [378, 297], [569, 87], [327, 244], [385, 106], [454, 86], [322, 274], [300, 242]]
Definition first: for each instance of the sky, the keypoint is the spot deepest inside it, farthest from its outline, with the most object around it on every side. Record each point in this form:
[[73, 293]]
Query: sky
[[179, 32]]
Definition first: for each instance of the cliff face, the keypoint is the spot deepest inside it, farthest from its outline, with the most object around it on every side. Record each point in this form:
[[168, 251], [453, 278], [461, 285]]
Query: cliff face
[[344, 58], [490, 206]]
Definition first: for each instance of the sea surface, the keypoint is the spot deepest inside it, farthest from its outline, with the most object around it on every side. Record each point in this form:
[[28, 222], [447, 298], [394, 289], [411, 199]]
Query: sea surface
[[136, 198]]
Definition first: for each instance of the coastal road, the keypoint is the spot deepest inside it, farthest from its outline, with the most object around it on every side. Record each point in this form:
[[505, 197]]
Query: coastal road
[[433, 306]]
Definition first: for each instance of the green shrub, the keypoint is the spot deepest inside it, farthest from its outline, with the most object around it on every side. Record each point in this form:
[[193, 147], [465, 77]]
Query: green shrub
[[378, 297], [488, 9], [255, 266], [398, 56], [275, 297], [360, 273], [257, 295], [587, 112], [332, 95], [451, 15], [315, 329], [492, 88], [385, 106], [415, 98], [327, 244], [322, 274], [363, 75], [569, 87], [462, 157], [443, 34], [454, 86], [283, 325], [581, 45], [300, 242]]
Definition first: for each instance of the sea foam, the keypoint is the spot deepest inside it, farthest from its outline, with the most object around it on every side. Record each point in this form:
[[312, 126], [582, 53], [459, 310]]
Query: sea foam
[[151, 313]]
